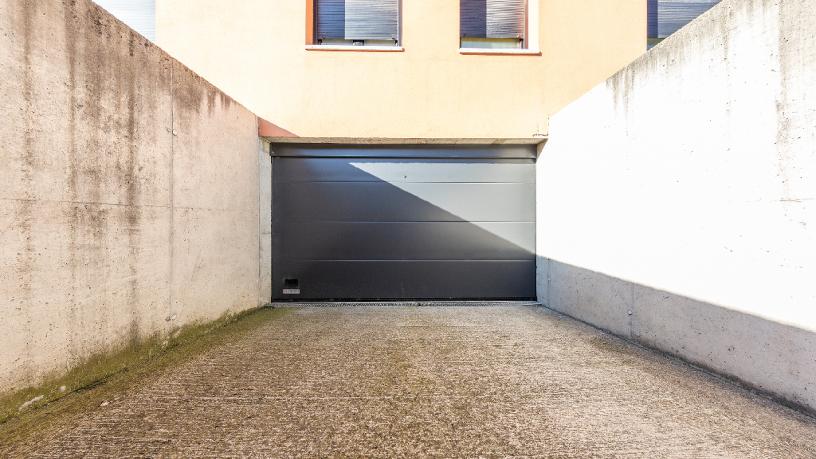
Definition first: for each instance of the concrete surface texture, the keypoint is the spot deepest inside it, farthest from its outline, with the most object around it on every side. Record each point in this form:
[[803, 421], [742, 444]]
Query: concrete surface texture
[[256, 50], [265, 206], [676, 200], [489, 381], [129, 191]]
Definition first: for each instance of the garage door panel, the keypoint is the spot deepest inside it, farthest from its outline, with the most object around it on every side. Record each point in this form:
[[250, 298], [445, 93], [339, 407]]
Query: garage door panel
[[395, 170], [413, 279], [384, 202], [403, 222], [411, 241]]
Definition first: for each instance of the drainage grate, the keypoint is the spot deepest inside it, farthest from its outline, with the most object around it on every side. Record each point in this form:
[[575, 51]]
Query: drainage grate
[[342, 304]]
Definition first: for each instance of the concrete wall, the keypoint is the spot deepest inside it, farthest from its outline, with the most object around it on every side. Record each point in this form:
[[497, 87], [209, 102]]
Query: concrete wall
[[676, 200], [129, 191], [256, 50], [265, 160]]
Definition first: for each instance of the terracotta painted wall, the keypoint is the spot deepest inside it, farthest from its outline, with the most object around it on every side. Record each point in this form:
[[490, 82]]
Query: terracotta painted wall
[[255, 50]]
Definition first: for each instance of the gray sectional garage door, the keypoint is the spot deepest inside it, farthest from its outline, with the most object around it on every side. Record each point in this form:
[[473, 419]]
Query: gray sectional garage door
[[403, 222]]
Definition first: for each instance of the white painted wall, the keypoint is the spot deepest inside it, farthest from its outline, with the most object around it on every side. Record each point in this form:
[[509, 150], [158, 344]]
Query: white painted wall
[[676, 200]]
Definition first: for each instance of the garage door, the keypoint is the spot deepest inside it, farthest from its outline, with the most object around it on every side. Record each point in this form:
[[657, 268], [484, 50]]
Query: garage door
[[403, 222]]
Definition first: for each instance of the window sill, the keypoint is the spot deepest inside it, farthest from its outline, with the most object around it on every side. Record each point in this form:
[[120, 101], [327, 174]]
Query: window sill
[[364, 49], [499, 52]]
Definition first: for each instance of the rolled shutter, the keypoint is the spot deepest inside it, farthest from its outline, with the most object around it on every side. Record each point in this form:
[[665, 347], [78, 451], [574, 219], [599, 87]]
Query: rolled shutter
[[357, 19], [506, 18], [372, 19], [493, 18], [673, 15], [330, 18], [473, 18], [652, 18]]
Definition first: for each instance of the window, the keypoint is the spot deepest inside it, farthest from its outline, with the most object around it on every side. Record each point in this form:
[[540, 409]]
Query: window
[[493, 24], [357, 22], [668, 16]]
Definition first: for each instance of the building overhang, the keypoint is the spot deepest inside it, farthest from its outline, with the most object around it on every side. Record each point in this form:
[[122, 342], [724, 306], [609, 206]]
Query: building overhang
[[273, 134], [403, 141]]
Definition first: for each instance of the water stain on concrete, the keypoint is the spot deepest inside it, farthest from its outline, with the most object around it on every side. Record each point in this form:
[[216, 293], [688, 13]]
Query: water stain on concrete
[[72, 181], [132, 192], [212, 94], [27, 13], [94, 78], [187, 95], [791, 99], [192, 92]]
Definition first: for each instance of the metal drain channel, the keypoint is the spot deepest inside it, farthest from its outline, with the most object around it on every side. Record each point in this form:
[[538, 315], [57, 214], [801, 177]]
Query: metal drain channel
[[343, 304]]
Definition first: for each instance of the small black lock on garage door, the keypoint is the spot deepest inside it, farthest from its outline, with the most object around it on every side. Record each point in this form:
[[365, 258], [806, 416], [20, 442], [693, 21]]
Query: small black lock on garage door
[[373, 222]]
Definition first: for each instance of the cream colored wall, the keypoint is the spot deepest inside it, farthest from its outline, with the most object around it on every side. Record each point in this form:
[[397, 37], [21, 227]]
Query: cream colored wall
[[255, 51]]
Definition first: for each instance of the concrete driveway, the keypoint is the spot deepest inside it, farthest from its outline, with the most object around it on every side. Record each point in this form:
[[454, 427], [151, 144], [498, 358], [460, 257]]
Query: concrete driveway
[[491, 380]]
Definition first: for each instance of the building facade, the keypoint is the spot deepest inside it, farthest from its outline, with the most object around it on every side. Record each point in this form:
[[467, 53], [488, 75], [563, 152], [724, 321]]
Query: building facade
[[456, 93], [404, 69]]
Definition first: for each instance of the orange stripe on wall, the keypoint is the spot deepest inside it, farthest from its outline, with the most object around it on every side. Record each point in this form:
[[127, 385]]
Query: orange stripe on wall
[[310, 19]]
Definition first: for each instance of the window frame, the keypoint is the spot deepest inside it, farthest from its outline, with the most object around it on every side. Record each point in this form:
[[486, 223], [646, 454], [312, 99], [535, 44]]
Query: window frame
[[313, 44], [530, 43]]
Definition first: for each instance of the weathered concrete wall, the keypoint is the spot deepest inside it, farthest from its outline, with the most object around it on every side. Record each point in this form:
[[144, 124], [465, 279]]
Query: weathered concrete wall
[[129, 191], [265, 160], [676, 200]]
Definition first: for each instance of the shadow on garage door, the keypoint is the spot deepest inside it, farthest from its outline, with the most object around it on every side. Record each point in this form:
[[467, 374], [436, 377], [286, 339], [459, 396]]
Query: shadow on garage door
[[403, 222]]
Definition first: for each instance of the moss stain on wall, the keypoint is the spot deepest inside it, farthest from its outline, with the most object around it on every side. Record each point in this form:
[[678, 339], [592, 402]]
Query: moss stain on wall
[[31, 409]]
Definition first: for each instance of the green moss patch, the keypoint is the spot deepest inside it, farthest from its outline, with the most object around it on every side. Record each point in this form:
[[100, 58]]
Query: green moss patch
[[32, 409]]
